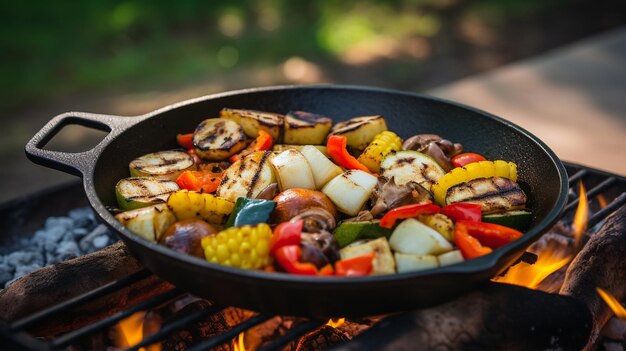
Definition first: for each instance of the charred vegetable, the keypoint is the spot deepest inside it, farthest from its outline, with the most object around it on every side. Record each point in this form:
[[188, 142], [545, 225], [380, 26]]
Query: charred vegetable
[[383, 143], [185, 236], [148, 222], [190, 204], [439, 222], [168, 164], [216, 139], [440, 149], [304, 128], [139, 192], [494, 194], [360, 131], [388, 195], [252, 121], [247, 177], [412, 166]]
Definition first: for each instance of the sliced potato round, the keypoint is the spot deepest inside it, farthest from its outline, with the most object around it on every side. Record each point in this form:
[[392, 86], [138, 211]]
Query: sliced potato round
[[169, 164], [247, 177], [216, 139], [139, 192]]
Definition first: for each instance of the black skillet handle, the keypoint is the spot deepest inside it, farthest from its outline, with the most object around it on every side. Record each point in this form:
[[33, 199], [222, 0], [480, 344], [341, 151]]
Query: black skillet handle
[[78, 163]]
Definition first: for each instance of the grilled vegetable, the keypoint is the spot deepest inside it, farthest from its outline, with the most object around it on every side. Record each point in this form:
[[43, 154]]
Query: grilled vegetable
[[304, 128], [407, 211], [383, 143], [167, 164], [350, 190], [138, 192], [247, 177], [494, 194], [481, 169], [416, 238], [337, 150], [360, 131], [413, 263], [412, 166], [191, 204], [291, 203], [185, 236], [246, 247], [250, 212], [348, 232], [263, 142], [148, 222], [355, 266], [383, 262], [449, 258], [322, 168], [283, 147], [216, 139], [292, 170], [517, 219], [439, 222], [204, 180], [252, 121]]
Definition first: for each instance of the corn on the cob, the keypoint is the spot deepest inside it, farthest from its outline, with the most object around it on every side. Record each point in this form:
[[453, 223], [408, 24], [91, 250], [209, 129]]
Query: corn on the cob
[[244, 247], [482, 169], [192, 204], [383, 143]]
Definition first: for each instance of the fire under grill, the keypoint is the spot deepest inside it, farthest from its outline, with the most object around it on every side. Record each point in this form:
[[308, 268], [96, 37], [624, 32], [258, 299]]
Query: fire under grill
[[99, 310]]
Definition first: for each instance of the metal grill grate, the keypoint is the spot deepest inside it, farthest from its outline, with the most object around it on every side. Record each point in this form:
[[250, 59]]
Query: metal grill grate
[[15, 336]]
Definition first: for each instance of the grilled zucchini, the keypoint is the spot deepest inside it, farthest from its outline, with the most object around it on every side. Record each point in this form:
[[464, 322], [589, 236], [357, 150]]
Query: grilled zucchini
[[292, 170], [169, 164], [360, 131], [247, 177], [251, 121], [494, 194], [412, 166], [139, 192], [149, 222], [304, 128], [216, 139], [283, 147]]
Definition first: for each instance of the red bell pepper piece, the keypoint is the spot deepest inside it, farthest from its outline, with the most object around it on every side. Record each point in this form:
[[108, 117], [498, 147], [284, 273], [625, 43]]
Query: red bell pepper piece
[[289, 256], [466, 158], [262, 143], [355, 266], [287, 233], [469, 246], [327, 270], [490, 234], [407, 211], [336, 147], [463, 211], [185, 140], [204, 181]]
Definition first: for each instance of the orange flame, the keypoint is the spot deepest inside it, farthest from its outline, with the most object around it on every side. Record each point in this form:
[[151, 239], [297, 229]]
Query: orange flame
[[239, 345], [613, 303], [581, 216], [129, 332], [602, 201], [336, 323]]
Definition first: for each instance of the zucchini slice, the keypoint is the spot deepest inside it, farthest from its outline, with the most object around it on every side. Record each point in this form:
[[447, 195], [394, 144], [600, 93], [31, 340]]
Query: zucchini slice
[[169, 164], [360, 131], [516, 219], [251, 121], [412, 166], [305, 128], [247, 177], [216, 139], [139, 192], [493, 194]]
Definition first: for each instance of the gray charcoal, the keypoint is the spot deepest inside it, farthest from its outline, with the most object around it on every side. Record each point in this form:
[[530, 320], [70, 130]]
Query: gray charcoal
[[82, 217], [24, 258], [100, 242], [1, 259], [49, 237], [65, 223], [79, 233], [6, 273], [87, 242], [67, 250]]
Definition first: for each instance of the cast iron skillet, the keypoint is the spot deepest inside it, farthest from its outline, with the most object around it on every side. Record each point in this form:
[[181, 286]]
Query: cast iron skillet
[[541, 175]]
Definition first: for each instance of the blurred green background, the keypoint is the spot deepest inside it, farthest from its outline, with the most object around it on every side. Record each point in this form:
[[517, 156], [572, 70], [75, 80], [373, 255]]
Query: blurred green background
[[129, 57]]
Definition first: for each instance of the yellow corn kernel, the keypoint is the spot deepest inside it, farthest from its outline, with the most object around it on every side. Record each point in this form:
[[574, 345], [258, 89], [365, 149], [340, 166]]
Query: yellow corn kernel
[[244, 247], [382, 144], [192, 204], [482, 169]]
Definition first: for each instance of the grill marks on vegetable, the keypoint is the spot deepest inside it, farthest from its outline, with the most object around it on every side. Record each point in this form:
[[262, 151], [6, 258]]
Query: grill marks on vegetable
[[255, 178], [494, 194]]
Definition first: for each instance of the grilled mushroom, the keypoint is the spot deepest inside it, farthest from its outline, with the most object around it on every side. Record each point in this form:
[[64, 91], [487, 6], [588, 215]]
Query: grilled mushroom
[[435, 146], [316, 219], [319, 248], [389, 195]]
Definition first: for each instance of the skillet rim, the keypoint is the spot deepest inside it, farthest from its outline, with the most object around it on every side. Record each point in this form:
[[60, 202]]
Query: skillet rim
[[483, 265]]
